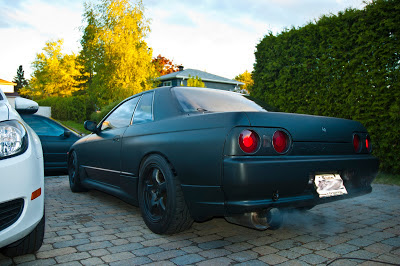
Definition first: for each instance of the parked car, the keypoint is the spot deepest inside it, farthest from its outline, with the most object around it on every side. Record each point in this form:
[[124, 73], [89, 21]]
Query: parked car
[[21, 182], [185, 154], [56, 141]]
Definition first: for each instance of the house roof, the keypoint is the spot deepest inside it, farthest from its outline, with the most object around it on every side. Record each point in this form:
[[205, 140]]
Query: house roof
[[184, 74], [5, 82]]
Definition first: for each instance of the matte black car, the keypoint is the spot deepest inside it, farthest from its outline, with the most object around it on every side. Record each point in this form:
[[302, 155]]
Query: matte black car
[[56, 141], [185, 154]]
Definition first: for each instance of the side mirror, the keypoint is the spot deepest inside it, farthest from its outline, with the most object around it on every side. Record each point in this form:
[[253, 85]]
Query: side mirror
[[67, 134], [90, 126], [26, 106]]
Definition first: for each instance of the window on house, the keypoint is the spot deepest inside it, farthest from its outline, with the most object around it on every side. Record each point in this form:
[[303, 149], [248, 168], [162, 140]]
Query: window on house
[[167, 83]]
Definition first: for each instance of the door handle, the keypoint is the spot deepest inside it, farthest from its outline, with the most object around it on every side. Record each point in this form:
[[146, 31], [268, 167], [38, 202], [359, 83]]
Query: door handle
[[117, 138]]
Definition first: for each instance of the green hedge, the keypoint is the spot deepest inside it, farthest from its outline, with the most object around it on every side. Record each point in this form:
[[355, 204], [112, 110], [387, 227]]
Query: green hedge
[[75, 108], [344, 65], [97, 116]]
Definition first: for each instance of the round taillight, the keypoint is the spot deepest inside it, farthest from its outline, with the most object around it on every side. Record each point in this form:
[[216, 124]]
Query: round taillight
[[356, 143], [248, 141], [280, 141], [368, 143]]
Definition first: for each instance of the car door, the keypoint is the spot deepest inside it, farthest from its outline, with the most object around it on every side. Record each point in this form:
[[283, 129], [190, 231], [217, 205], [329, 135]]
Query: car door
[[134, 141], [56, 140], [102, 161]]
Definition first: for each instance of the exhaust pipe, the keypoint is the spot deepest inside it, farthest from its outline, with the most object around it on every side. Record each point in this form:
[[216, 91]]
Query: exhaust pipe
[[271, 218]]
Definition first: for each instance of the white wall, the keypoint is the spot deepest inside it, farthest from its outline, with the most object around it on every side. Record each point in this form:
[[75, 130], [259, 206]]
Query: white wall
[[7, 88], [44, 111]]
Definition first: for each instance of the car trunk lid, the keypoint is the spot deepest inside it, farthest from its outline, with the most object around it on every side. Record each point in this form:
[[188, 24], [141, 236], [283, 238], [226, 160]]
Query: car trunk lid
[[308, 128]]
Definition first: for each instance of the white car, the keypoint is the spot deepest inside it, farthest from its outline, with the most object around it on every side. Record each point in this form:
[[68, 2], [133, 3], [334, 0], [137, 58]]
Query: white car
[[21, 181]]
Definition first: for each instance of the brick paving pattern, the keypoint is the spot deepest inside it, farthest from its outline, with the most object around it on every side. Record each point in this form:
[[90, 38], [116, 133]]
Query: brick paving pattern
[[94, 228]]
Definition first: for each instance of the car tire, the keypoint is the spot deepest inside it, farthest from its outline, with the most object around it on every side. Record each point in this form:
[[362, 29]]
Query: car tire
[[161, 199], [29, 244], [73, 172]]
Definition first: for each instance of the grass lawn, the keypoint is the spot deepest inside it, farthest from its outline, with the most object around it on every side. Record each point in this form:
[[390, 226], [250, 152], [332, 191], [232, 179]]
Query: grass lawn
[[388, 179], [76, 126]]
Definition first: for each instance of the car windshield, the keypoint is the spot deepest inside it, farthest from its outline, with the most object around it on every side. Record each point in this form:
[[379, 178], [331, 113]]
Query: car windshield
[[213, 100]]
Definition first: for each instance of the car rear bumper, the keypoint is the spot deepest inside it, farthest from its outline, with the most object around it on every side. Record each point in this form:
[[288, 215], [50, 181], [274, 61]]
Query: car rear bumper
[[20, 177], [258, 183]]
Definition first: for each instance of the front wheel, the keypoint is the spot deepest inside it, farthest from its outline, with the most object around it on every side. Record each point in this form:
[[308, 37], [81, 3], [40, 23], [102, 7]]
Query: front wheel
[[73, 173], [161, 200]]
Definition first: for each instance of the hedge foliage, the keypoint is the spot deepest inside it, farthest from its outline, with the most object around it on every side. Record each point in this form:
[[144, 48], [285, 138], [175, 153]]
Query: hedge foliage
[[97, 116], [344, 65], [75, 108]]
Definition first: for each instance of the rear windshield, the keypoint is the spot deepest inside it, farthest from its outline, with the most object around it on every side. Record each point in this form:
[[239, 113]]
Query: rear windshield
[[212, 100]]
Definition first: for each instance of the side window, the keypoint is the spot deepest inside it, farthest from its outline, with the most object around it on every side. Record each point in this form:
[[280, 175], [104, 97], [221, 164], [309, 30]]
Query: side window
[[43, 126], [144, 111], [121, 117]]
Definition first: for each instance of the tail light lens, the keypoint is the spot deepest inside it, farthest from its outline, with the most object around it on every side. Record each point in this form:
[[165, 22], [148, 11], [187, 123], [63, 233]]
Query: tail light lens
[[280, 141], [368, 143], [356, 143], [248, 141]]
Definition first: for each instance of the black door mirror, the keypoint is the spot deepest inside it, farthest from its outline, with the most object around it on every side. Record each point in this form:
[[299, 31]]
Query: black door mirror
[[90, 126], [67, 134]]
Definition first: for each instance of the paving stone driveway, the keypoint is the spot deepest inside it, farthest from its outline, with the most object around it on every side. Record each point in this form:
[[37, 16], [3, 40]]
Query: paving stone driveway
[[94, 228]]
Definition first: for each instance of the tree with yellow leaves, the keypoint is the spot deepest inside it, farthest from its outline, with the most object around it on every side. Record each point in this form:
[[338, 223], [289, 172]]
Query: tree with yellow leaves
[[195, 82], [121, 60], [55, 73], [247, 79]]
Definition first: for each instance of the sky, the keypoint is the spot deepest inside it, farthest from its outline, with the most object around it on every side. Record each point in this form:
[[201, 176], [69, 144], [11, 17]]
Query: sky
[[216, 36]]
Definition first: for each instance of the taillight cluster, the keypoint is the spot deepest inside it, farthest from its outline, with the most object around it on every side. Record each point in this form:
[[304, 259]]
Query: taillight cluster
[[280, 141], [358, 143], [249, 141]]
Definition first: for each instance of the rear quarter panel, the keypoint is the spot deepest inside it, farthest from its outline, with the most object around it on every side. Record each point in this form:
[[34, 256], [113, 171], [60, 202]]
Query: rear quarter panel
[[193, 144]]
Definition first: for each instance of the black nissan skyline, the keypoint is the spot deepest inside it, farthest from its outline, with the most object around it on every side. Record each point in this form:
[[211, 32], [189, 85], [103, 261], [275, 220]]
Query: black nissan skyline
[[189, 154]]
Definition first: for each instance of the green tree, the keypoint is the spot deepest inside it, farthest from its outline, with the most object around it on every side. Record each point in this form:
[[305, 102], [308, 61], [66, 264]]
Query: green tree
[[20, 79], [114, 51], [55, 74], [195, 82], [345, 65], [247, 79], [89, 55]]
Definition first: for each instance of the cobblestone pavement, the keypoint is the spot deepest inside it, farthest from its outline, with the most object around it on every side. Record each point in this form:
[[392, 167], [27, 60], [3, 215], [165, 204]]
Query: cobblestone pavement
[[93, 228]]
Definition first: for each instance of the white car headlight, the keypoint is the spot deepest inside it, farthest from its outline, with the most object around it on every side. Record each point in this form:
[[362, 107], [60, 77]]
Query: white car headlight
[[13, 139]]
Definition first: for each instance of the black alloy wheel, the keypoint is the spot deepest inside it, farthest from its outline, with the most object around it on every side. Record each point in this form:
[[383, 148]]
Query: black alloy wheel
[[73, 172], [161, 198], [155, 194]]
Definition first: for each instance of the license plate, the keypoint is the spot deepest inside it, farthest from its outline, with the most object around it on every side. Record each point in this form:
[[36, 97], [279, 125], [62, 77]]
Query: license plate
[[329, 185]]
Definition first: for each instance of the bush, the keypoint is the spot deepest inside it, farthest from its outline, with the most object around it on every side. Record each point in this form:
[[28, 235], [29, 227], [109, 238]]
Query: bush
[[344, 65], [75, 108], [97, 116]]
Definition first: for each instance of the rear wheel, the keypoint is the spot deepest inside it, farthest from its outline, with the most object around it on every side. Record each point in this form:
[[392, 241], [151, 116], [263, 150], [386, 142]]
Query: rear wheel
[[73, 172], [29, 244], [161, 198]]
